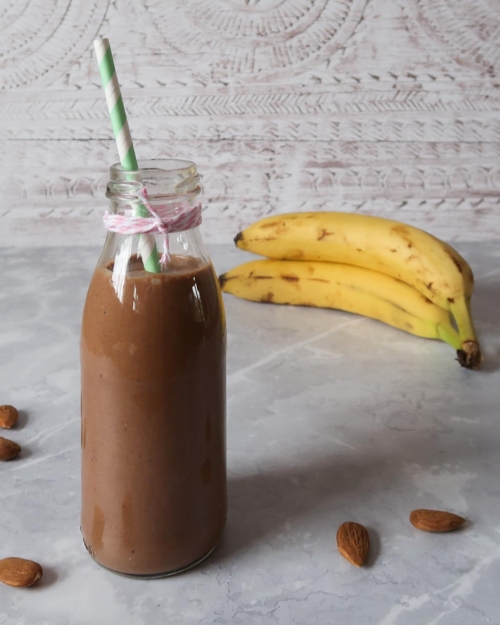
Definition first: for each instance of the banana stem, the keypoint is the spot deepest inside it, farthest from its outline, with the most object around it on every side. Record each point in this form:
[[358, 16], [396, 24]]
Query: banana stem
[[448, 334], [469, 353]]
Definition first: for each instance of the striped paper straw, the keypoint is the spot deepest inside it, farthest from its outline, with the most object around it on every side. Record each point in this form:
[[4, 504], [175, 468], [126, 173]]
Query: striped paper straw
[[124, 143]]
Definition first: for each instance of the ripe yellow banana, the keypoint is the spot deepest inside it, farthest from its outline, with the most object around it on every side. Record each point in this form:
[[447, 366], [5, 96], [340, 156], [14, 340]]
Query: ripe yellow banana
[[345, 287], [409, 254]]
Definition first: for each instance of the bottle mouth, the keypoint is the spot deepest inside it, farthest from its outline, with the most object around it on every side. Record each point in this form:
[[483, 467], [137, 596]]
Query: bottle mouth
[[163, 178]]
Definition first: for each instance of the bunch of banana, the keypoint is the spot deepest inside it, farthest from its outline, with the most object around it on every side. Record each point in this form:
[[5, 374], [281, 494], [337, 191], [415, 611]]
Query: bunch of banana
[[372, 266]]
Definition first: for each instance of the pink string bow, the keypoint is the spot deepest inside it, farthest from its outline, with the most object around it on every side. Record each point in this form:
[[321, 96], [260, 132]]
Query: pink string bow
[[165, 218]]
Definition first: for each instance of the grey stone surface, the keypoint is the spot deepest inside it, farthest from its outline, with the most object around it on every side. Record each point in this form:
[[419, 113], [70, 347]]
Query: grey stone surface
[[331, 418]]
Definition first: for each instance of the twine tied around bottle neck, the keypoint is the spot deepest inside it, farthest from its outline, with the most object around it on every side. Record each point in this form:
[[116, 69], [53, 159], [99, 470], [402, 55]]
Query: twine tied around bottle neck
[[165, 219]]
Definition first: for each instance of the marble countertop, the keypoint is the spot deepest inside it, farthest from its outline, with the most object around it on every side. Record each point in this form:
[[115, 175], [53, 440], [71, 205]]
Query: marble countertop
[[331, 418]]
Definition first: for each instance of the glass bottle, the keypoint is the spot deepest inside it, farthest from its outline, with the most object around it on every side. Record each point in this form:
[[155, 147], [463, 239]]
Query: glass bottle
[[153, 349]]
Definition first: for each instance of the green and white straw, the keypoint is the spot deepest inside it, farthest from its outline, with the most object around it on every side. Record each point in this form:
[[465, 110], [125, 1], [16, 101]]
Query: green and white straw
[[121, 131]]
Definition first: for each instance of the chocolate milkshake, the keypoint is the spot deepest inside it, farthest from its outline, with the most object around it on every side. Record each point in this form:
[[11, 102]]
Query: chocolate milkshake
[[153, 416]]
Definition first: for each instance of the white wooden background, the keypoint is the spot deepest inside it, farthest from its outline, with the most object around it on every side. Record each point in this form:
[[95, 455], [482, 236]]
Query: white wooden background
[[378, 106]]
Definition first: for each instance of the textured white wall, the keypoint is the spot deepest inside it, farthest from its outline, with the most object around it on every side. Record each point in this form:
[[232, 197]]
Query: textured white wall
[[378, 106]]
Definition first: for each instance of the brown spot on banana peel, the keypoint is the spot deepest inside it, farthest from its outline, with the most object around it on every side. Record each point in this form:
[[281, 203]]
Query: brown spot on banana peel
[[401, 229], [269, 297], [290, 278], [271, 224], [457, 264], [225, 278], [318, 280], [455, 261], [403, 232], [470, 355], [222, 280], [324, 233]]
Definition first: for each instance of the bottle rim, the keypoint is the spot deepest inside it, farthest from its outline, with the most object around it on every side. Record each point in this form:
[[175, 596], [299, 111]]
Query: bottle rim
[[163, 178]]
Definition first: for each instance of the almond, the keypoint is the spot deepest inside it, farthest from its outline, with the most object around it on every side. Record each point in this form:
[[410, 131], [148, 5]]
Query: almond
[[435, 520], [353, 542], [8, 449], [8, 416], [19, 572]]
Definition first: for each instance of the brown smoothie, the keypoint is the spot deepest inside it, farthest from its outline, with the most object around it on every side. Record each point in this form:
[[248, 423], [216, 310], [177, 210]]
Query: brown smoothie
[[153, 417]]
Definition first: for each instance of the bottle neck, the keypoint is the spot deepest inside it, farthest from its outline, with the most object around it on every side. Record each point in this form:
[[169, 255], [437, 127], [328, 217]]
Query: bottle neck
[[163, 195], [188, 243]]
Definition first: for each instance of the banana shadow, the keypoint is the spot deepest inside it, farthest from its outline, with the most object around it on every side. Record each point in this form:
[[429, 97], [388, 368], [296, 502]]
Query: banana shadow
[[264, 507], [486, 312]]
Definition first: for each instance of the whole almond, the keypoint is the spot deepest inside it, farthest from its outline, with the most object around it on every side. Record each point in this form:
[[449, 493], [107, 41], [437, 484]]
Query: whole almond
[[19, 572], [353, 542], [8, 449], [435, 520], [8, 416]]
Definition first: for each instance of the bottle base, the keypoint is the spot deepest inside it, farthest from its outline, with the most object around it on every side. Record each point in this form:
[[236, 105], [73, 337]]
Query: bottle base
[[155, 575]]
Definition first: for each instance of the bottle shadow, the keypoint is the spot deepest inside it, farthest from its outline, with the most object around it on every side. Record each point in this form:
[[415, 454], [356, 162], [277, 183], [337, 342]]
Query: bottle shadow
[[265, 505]]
